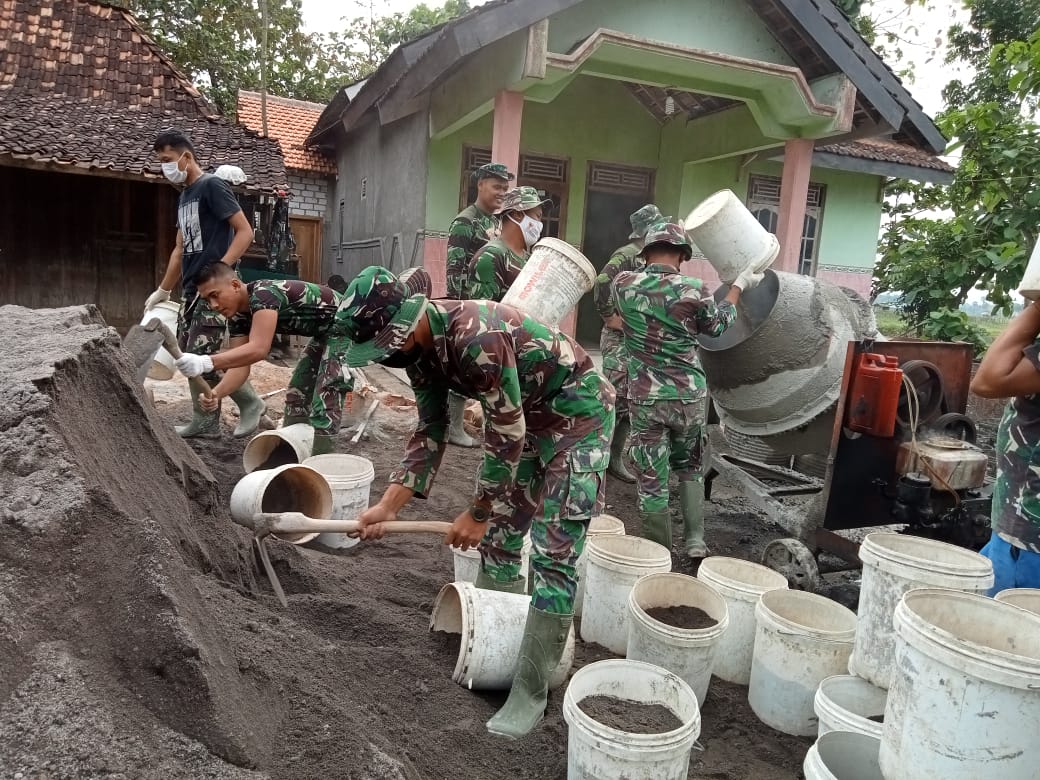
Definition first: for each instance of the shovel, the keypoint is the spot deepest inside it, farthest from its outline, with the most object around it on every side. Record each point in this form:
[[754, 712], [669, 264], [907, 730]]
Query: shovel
[[142, 341], [263, 524]]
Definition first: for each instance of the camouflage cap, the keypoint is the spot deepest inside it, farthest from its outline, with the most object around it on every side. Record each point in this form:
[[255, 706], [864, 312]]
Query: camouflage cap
[[644, 218], [382, 311], [493, 171], [522, 199], [669, 233]]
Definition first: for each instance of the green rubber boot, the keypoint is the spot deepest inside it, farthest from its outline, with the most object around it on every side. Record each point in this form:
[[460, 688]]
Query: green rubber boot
[[657, 527], [617, 465], [251, 408], [691, 495], [457, 431], [545, 637], [203, 425], [485, 581], [324, 443]]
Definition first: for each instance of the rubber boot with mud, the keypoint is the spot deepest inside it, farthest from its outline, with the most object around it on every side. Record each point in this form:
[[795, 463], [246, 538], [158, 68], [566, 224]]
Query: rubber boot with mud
[[251, 408], [203, 425], [691, 496], [657, 527], [485, 581], [457, 431], [545, 637], [294, 420], [617, 465], [324, 443]]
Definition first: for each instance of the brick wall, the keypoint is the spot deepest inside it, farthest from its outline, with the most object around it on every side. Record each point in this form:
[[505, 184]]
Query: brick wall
[[309, 194]]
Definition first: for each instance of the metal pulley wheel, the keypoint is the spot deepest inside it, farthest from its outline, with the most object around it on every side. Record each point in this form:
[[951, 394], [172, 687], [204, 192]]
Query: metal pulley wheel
[[956, 426], [795, 561], [928, 384]]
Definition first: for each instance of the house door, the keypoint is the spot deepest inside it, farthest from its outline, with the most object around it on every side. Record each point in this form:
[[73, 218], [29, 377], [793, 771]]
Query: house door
[[613, 193], [307, 232]]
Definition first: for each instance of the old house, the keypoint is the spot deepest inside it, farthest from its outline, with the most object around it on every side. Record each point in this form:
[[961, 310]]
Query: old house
[[311, 173], [605, 105], [87, 215]]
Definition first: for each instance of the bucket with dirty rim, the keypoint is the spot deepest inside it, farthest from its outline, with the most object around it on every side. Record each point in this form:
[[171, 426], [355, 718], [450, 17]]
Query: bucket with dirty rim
[[688, 651], [1026, 598], [350, 480], [467, 562], [892, 565], [163, 367], [843, 755], [599, 751], [615, 563], [801, 639], [289, 488], [964, 701], [730, 236], [1030, 286], [607, 525], [491, 626], [268, 449], [741, 584], [552, 281], [848, 703]]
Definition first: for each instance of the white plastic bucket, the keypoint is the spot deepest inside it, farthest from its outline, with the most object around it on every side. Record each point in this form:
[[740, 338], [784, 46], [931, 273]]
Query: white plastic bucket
[[730, 236], [847, 703], [350, 479], [467, 562], [964, 702], [607, 525], [491, 624], [298, 440], [163, 367], [596, 751], [1030, 285], [843, 755], [552, 281], [801, 640], [892, 565], [687, 652], [615, 563], [289, 488], [1025, 598], [741, 583]]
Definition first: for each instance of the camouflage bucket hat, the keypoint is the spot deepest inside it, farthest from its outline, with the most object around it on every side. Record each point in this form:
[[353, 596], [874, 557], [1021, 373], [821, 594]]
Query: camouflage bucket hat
[[382, 311], [417, 280], [522, 199], [643, 219], [493, 171], [669, 233]]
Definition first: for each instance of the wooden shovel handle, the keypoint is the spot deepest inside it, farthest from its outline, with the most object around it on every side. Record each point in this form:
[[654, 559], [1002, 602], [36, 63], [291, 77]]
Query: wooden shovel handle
[[171, 345], [297, 522]]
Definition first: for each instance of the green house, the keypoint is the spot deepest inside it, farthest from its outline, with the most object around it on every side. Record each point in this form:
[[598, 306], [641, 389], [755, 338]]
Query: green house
[[605, 105]]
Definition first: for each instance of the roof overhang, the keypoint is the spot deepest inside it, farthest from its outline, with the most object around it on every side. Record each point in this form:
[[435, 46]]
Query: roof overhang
[[893, 170]]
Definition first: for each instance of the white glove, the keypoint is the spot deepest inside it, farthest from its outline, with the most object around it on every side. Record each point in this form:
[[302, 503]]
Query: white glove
[[156, 298], [748, 280], [194, 365]]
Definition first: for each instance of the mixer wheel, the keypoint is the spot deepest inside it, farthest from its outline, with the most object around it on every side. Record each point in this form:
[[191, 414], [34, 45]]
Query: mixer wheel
[[956, 426], [795, 561], [928, 382]]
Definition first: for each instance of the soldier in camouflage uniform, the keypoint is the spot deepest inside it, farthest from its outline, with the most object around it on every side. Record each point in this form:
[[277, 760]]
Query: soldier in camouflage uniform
[[496, 265], [662, 313], [611, 343], [549, 416], [475, 226], [1011, 368]]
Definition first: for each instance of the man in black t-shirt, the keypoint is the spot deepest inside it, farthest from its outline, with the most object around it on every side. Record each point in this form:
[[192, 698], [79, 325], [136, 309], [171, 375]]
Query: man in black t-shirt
[[211, 228]]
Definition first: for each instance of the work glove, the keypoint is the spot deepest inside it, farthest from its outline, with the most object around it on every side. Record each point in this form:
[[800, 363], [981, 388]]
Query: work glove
[[194, 365], [748, 280], [156, 298]]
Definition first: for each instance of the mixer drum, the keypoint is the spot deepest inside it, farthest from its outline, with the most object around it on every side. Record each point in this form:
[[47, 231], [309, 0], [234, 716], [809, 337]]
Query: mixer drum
[[778, 368]]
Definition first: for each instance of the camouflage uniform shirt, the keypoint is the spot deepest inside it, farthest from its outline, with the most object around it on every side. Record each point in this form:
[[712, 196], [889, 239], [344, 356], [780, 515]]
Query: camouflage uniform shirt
[[663, 312], [304, 308], [1016, 494], [626, 258], [468, 232], [492, 270], [534, 383]]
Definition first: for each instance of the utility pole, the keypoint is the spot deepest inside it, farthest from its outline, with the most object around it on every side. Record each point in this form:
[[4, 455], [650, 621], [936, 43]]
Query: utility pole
[[263, 66]]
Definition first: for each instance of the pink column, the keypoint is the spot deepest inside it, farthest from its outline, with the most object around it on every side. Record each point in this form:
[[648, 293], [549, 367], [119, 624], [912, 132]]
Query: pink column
[[794, 188], [505, 133], [435, 261]]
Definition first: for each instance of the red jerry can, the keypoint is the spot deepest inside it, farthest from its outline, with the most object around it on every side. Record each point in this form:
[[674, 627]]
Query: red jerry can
[[874, 395]]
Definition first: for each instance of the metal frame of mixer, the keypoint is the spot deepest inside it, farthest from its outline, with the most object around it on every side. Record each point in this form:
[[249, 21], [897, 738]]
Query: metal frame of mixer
[[850, 495]]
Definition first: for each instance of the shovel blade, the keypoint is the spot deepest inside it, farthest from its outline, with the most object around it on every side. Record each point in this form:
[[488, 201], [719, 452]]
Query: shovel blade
[[142, 343]]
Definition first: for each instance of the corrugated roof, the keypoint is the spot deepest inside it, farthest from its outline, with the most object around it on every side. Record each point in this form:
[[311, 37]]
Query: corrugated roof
[[289, 122]]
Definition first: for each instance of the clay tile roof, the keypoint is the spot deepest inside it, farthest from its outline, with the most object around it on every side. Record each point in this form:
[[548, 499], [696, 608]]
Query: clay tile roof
[[289, 122], [82, 85], [884, 150]]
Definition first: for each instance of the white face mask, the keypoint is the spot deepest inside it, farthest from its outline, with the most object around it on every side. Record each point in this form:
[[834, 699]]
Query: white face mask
[[531, 228], [174, 174]]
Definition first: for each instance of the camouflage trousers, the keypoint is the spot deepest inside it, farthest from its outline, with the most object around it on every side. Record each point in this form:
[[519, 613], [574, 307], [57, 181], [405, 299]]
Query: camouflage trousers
[[554, 500], [667, 436], [318, 387], [615, 363], [201, 330]]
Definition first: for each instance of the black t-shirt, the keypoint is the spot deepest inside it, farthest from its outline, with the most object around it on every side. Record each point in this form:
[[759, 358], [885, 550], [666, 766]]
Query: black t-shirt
[[202, 216]]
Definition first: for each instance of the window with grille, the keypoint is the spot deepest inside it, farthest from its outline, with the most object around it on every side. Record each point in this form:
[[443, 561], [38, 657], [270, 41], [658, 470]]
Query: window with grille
[[764, 202]]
